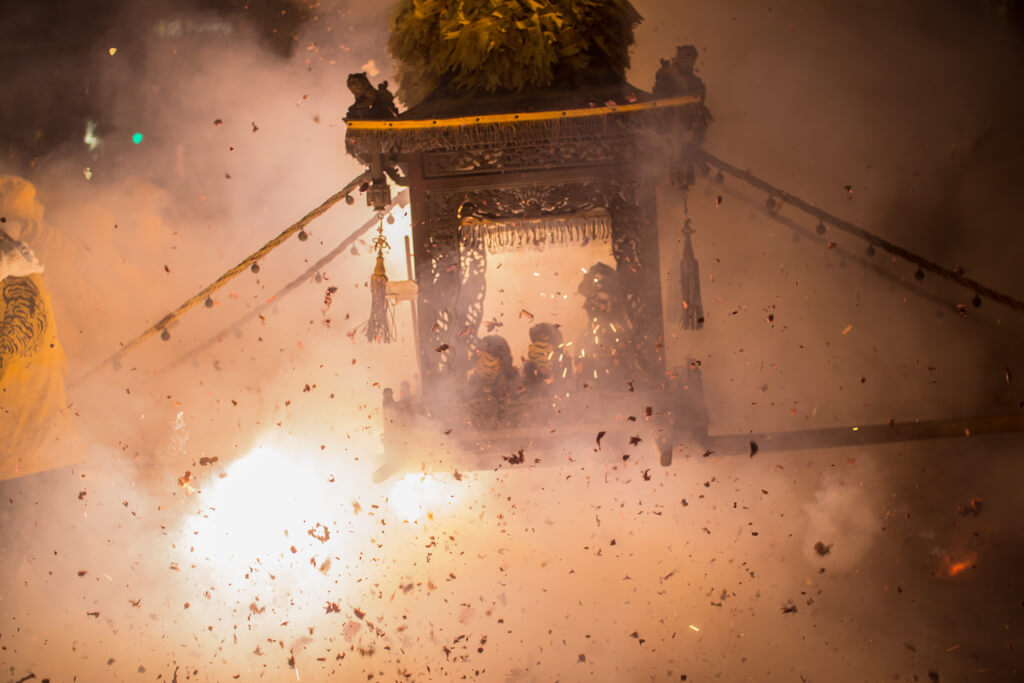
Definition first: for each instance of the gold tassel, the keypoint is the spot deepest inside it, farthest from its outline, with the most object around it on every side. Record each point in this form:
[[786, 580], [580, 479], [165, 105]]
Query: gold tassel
[[689, 269], [380, 326]]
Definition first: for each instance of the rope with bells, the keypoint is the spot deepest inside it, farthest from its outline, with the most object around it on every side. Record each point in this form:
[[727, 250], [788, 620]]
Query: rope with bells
[[873, 240], [311, 272], [250, 262]]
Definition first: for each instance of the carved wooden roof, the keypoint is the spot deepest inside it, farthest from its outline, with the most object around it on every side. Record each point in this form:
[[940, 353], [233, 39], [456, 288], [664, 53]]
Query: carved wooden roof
[[497, 122]]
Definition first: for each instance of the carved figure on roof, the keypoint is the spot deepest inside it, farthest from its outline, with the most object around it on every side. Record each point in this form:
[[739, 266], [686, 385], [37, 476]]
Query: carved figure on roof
[[676, 78], [372, 104]]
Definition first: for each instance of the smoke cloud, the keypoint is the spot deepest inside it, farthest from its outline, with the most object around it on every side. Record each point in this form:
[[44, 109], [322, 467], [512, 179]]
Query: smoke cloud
[[222, 522]]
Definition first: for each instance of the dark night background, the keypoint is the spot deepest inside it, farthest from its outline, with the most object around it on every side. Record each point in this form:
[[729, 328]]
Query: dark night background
[[50, 49], [53, 42]]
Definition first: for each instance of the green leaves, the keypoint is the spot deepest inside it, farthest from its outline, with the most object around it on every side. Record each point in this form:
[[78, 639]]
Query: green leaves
[[496, 45]]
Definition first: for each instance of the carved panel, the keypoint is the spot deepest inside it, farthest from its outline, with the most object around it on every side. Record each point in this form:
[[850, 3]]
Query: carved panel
[[536, 201], [482, 159], [452, 302]]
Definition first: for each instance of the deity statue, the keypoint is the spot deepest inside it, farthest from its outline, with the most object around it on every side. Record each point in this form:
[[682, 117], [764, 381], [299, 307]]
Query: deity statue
[[493, 383], [676, 78], [548, 367], [371, 104], [605, 355]]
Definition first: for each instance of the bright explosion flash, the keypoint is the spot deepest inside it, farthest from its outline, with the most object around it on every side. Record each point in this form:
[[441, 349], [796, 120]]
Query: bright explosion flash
[[275, 508], [287, 512], [420, 495]]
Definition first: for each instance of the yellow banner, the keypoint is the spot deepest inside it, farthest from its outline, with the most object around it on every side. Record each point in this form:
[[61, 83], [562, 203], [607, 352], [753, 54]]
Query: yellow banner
[[524, 116]]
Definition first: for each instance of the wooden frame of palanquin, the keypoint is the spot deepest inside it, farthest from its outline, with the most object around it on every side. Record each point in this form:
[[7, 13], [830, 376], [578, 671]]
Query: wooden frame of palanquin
[[565, 173]]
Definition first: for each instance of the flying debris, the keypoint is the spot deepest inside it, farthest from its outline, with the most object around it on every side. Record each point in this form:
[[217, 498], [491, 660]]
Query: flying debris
[[91, 140], [516, 458]]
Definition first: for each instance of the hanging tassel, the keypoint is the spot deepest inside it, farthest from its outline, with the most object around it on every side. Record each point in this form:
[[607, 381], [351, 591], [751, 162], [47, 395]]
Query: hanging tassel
[[689, 269], [380, 326]]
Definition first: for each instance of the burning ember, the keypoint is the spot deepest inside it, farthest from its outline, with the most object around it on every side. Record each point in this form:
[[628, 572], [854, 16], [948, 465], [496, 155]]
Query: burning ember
[[954, 566]]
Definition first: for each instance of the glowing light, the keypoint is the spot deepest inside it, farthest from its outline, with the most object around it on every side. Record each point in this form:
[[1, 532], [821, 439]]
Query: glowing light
[[418, 495], [694, 628], [112, 51], [267, 502], [137, 138], [955, 568], [91, 140], [958, 567]]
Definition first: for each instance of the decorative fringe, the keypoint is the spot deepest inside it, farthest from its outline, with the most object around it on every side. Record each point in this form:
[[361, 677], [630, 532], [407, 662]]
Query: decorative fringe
[[515, 234], [689, 269], [380, 326], [456, 133]]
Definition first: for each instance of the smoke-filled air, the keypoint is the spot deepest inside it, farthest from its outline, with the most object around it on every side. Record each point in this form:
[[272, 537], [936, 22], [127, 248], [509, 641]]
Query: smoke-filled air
[[512, 341]]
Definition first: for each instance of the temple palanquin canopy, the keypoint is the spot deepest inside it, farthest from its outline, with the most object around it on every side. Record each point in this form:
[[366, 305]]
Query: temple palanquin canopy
[[494, 169]]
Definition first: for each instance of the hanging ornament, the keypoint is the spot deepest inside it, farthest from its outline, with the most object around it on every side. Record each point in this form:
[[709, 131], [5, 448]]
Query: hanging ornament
[[255, 268], [303, 236], [919, 275], [208, 302], [820, 228], [380, 326], [870, 251], [689, 269]]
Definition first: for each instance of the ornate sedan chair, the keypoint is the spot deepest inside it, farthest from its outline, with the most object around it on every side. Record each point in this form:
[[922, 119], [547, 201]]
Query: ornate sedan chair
[[559, 166]]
